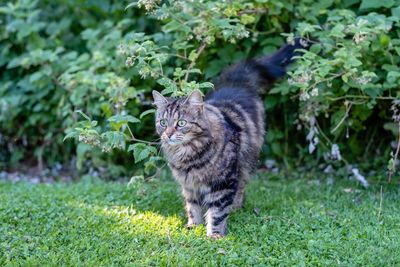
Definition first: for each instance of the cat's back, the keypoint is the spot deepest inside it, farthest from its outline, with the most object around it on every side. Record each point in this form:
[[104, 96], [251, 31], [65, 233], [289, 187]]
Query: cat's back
[[243, 113], [238, 100]]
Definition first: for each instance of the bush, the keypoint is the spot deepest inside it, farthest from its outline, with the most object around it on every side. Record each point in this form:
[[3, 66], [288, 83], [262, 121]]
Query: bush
[[103, 60], [52, 67]]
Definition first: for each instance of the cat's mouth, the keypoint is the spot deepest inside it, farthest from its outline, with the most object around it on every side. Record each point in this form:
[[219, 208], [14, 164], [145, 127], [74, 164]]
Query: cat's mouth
[[173, 141]]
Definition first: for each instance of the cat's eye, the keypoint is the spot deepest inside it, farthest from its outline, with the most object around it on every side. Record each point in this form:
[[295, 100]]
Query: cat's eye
[[163, 123], [181, 123]]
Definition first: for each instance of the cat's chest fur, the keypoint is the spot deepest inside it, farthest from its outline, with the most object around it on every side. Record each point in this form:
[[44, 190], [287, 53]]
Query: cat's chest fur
[[209, 166], [195, 178]]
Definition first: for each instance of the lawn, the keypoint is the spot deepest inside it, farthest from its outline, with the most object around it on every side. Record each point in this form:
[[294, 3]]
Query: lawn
[[297, 222]]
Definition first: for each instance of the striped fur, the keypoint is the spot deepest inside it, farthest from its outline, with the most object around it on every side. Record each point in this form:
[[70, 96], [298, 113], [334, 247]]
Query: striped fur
[[213, 151]]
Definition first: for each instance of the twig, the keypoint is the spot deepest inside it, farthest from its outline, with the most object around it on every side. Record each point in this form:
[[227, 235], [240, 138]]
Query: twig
[[395, 155], [252, 11], [360, 96], [348, 107], [133, 138], [370, 143], [380, 204], [328, 141], [322, 133], [398, 145], [198, 52], [178, 56], [333, 76]]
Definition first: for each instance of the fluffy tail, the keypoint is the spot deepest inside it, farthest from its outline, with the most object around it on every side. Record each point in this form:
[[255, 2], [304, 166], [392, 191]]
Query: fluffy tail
[[261, 72]]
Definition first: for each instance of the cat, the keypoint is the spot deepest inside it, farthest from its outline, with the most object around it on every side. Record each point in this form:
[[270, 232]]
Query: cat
[[212, 145]]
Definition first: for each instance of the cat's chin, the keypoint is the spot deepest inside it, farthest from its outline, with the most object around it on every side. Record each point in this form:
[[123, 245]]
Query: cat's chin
[[174, 142]]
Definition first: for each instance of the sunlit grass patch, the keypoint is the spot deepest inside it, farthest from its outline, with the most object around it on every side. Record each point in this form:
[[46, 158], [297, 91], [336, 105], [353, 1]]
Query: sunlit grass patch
[[283, 222]]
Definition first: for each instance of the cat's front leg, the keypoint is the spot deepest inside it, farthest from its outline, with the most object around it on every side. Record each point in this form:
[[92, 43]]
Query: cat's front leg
[[219, 206], [193, 209]]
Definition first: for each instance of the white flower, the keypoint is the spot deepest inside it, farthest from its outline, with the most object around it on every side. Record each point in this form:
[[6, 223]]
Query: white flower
[[312, 136], [359, 37], [303, 43], [363, 80], [290, 40], [304, 78], [314, 92], [335, 152], [311, 147], [121, 49], [304, 96], [129, 62], [359, 177], [328, 169]]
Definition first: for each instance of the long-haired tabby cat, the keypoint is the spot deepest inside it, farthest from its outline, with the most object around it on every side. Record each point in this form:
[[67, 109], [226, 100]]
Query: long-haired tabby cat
[[212, 145]]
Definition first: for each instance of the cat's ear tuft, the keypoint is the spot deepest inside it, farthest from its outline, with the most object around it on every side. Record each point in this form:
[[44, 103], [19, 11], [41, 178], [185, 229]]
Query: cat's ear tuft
[[195, 98], [159, 99]]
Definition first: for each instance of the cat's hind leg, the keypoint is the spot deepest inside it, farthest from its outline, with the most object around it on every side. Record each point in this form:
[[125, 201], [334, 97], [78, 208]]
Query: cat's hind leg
[[238, 201], [219, 204]]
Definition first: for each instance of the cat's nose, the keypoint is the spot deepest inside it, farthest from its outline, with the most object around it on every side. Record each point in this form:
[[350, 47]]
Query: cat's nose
[[169, 132]]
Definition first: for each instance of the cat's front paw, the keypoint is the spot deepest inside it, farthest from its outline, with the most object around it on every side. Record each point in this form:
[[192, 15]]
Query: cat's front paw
[[215, 236], [190, 226]]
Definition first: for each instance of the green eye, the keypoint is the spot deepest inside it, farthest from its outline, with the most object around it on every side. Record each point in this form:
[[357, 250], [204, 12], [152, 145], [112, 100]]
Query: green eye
[[163, 123], [181, 123]]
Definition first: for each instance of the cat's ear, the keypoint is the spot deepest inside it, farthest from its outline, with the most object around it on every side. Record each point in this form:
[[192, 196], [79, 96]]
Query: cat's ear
[[195, 98], [159, 99]]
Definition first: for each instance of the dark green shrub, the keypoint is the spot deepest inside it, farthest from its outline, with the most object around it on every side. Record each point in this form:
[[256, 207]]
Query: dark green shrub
[[104, 60]]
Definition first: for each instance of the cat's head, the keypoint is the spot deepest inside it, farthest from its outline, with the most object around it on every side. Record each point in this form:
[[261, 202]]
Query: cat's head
[[180, 120]]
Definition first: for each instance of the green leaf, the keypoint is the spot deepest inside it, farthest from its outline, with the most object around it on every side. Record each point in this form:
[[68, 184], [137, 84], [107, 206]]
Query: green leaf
[[316, 48], [247, 19], [81, 150], [15, 62], [123, 119], [367, 4], [149, 111], [372, 92], [133, 4], [114, 139], [141, 151], [193, 55], [397, 50], [150, 167], [72, 134], [396, 12], [393, 76], [36, 76], [83, 115], [206, 85], [338, 31]]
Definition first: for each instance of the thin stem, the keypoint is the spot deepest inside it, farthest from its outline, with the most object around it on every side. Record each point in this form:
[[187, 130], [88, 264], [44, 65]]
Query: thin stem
[[395, 155], [252, 11], [360, 97], [348, 107], [133, 138], [329, 141], [161, 68], [322, 133], [333, 76], [380, 204], [398, 145], [198, 52], [178, 56]]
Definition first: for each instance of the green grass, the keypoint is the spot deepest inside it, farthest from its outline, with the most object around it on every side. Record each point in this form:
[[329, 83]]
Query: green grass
[[299, 223]]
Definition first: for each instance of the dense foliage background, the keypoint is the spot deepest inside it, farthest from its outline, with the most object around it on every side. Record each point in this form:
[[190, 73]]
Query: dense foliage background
[[85, 69]]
